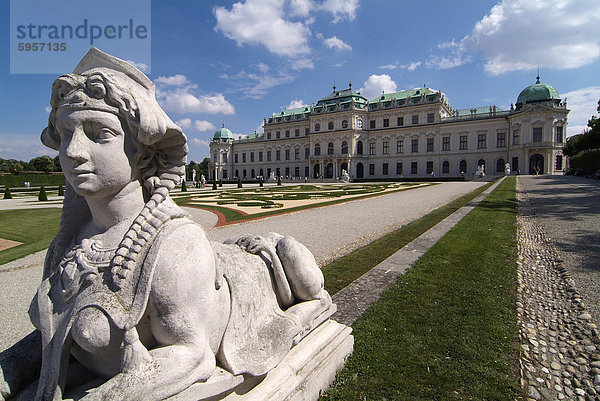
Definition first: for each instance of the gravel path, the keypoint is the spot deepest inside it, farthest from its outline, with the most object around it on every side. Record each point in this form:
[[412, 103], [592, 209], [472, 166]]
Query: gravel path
[[333, 231], [329, 232]]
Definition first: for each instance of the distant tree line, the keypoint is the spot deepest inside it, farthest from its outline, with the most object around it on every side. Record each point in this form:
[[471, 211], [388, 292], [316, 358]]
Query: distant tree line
[[588, 141], [40, 163]]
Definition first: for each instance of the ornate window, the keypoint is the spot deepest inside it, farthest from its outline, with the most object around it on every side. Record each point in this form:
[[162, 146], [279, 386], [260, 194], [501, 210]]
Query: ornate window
[[317, 127], [359, 148], [330, 126], [344, 148], [537, 134], [330, 148], [500, 140], [345, 124], [317, 149]]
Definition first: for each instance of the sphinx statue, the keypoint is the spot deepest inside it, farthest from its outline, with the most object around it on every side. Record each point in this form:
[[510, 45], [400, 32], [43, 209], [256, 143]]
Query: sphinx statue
[[135, 302]]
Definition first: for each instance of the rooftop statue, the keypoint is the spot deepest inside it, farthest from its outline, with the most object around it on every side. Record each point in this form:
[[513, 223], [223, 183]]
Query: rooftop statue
[[135, 302]]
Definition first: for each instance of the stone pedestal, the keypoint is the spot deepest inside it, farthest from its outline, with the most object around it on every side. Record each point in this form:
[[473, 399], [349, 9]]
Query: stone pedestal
[[308, 369]]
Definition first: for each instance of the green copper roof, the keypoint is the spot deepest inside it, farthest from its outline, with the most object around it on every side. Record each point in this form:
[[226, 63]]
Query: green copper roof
[[537, 92], [342, 96], [222, 134], [403, 95], [291, 112]]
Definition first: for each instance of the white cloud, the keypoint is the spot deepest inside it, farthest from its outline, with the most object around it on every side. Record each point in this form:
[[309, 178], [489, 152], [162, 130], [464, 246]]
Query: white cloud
[[202, 125], [175, 80], [184, 123], [182, 101], [198, 125], [262, 67], [583, 104], [261, 22], [341, 9], [139, 66], [200, 142], [48, 109], [301, 8], [334, 42], [23, 146], [522, 34], [296, 103], [409, 67], [177, 94], [303, 64], [376, 84]]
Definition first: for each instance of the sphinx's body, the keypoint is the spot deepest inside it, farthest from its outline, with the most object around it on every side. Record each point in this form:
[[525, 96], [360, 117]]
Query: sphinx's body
[[133, 295]]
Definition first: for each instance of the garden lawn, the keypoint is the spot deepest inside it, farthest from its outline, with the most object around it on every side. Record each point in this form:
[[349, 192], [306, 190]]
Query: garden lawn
[[342, 271], [447, 330], [35, 228]]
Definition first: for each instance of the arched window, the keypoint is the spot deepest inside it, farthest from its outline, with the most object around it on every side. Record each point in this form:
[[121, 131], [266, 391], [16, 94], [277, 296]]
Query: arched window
[[252, 175], [500, 166], [344, 148], [244, 172], [446, 167], [237, 173], [330, 148], [345, 124], [481, 162], [317, 149], [330, 126], [261, 172], [462, 167], [317, 127], [359, 148]]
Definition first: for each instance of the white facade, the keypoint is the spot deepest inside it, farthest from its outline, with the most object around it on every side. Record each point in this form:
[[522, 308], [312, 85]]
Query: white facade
[[404, 134]]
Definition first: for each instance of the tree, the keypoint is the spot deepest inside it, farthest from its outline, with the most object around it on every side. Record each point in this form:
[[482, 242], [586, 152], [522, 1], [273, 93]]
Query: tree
[[57, 166], [7, 194], [42, 163], [594, 131], [42, 195]]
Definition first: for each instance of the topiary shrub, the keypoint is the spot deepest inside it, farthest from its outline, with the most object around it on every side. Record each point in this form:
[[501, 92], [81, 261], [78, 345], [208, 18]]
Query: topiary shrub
[[183, 187], [278, 180], [7, 194], [214, 186], [220, 183], [260, 184], [239, 183], [42, 195], [61, 190]]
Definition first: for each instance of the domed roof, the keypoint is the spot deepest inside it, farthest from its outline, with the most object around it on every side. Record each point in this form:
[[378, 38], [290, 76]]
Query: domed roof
[[222, 134], [537, 92]]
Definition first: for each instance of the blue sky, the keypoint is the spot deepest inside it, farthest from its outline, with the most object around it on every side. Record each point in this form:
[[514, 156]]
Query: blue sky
[[239, 62]]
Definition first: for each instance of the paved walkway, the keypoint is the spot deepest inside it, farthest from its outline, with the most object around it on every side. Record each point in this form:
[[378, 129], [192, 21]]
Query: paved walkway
[[557, 301]]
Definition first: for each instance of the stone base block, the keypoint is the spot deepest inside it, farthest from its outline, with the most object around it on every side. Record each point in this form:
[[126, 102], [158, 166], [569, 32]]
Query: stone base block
[[308, 369]]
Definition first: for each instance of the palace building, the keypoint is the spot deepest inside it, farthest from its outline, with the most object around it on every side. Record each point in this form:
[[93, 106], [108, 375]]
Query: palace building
[[413, 133]]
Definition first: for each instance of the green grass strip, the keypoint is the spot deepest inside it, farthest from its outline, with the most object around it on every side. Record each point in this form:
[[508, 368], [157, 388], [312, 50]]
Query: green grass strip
[[348, 268], [35, 228], [447, 329]]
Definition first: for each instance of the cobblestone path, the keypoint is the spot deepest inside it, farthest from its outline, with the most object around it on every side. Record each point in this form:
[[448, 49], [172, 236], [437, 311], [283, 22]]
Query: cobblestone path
[[560, 358]]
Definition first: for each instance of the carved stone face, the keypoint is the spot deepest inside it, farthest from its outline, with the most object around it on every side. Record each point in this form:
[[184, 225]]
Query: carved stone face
[[93, 152]]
